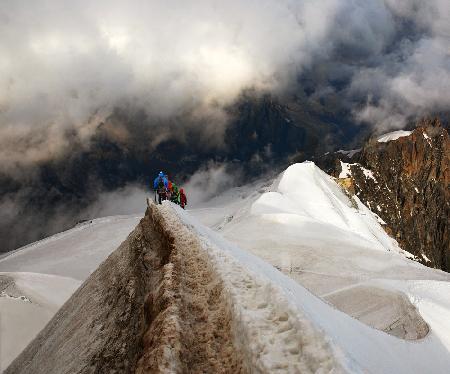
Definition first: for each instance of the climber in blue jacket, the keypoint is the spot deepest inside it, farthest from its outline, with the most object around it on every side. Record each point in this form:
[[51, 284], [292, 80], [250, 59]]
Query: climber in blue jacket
[[160, 185]]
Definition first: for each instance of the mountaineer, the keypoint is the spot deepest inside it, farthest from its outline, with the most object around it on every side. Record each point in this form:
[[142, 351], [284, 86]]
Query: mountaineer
[[183, 198], [169, 188], [175, 198], [160, 185]]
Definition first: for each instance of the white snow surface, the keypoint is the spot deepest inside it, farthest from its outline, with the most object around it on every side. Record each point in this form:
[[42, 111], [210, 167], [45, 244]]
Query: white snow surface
[[289, 245], [308, 199], [74, 253], [25, 312], [47, 272], [427, 138], [394, 135], [306, 226], [345, 170]]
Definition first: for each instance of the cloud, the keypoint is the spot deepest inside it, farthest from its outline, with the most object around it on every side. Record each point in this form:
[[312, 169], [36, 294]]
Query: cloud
[[65, 65], [174, 67], [130, 199], [207, 182], [22, 222], [412, 79], [211, 180]]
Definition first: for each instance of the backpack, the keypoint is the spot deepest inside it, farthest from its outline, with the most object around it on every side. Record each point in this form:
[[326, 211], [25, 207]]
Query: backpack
[[161, 186]]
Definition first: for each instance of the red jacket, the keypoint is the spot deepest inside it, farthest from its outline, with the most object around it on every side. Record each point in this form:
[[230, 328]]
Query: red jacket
[[183, 199]]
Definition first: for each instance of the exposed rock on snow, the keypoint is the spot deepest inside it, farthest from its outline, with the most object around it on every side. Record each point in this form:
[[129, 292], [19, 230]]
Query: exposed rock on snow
[[419, 162], [346, 171]]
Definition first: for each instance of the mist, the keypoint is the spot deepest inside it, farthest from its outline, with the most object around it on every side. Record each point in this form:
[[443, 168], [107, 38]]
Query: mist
[[21, 223], [206, 183], [64, 65], [88, 90]]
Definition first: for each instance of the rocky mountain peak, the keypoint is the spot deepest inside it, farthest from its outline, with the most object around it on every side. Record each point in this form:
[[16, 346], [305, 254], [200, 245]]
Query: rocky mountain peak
[[406, 182]]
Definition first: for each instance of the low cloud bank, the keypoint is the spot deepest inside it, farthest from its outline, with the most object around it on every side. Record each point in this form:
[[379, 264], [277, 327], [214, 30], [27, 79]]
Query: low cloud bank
[[127, 200], [212, 180], [206, 183], [22, 223], [64, 66]]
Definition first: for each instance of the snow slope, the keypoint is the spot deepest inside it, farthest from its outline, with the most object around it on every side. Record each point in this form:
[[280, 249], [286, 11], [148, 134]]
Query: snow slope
[[306, 211], [313, 279], [37, 279], [26, 305], [358, 347], [74, 253], [271, 333], [307, 227], [394, 135]]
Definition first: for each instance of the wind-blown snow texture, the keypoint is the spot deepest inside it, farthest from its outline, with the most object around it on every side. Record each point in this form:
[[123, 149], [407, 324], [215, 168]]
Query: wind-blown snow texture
[[27, 302]]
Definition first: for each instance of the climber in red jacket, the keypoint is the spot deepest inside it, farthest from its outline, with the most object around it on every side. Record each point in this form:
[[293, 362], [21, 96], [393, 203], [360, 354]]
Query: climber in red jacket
[[183, 198]]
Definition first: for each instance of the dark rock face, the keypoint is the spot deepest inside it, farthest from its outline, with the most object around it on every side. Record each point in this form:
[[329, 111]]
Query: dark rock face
[[407, 183]]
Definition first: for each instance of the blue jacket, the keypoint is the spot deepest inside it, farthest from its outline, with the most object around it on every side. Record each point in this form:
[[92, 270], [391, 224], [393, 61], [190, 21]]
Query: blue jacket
[[157, 179]]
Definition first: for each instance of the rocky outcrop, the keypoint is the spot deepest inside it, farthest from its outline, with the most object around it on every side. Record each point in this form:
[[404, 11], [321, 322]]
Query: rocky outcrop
[[407, 183], [148, 308]]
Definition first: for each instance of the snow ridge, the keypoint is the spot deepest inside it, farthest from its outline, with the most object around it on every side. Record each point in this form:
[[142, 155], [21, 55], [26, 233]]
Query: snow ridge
[[357, 347], [306, 221], [273, 335]]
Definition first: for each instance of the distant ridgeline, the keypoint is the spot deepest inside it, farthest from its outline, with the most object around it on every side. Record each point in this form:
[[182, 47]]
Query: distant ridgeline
[[404, 177]]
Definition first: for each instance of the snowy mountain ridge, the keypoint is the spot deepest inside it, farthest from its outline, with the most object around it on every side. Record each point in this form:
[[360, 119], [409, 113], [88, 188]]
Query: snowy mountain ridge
[[352, 300], [394, 135], [320, 200]]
